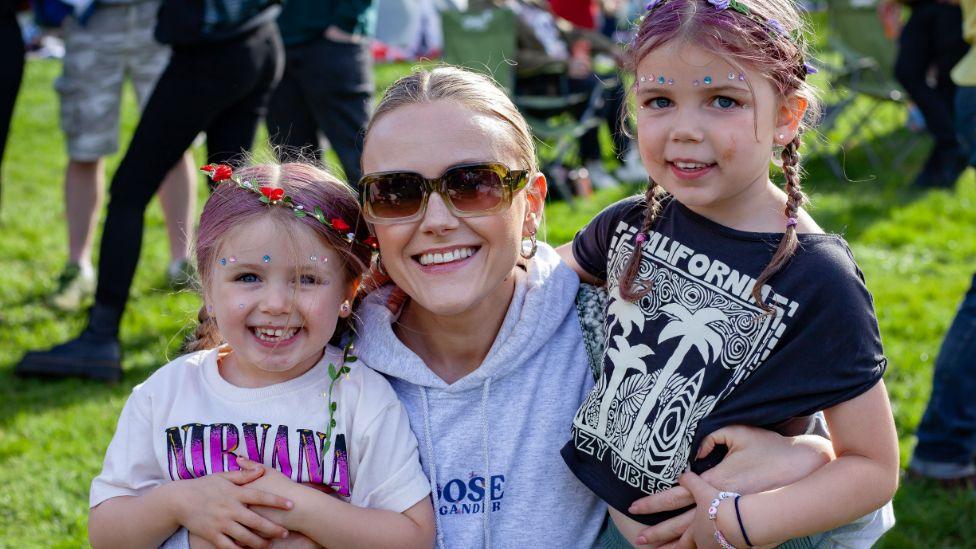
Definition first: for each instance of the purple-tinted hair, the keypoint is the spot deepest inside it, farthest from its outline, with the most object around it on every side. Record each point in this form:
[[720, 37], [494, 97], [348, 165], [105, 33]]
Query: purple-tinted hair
[[768, 42], [230, 206]]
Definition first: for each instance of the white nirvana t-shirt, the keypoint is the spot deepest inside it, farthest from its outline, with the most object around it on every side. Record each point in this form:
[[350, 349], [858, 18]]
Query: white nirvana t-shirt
[[186, 421]]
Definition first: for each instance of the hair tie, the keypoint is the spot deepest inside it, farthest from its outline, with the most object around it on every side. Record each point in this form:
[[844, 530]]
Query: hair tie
[[640, 238], [791, 222]]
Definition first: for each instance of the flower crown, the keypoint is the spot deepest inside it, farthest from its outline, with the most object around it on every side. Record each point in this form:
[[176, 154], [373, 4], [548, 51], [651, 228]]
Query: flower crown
[[275, 196], [772, 26]]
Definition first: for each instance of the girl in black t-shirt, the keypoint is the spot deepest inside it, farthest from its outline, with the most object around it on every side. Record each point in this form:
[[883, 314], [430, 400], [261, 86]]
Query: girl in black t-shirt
[[729, 305]]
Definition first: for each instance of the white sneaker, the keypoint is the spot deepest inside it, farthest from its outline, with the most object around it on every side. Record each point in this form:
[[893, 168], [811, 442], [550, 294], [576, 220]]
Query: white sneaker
[[632, 170], [76, 286], [599, 176]]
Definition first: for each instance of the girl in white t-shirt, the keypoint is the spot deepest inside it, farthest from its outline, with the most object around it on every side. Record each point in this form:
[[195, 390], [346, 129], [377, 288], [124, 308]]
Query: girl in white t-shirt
[[266, 431]]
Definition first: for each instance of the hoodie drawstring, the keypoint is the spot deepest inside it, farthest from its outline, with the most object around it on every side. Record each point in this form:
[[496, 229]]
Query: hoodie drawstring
[[486, 514], [432, 465]]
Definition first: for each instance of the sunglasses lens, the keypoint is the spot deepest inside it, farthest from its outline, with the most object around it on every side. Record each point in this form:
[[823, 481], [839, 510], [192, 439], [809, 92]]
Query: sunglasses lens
[[394, 195], [474, 189]]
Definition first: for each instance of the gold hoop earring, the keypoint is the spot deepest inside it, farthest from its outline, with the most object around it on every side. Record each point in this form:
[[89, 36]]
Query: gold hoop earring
[[528, 249]]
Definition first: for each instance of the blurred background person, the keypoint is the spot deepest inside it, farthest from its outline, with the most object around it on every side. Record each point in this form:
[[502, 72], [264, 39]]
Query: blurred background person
[[932, 39], [11, 71], [106, 44], [227, 58], [328, 84]]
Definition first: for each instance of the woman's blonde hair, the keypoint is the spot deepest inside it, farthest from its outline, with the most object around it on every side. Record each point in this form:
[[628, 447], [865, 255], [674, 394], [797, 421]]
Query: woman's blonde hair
[[471, 90]]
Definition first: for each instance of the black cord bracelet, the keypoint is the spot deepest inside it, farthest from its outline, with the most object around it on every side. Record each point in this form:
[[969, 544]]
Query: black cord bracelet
[[738, 517]]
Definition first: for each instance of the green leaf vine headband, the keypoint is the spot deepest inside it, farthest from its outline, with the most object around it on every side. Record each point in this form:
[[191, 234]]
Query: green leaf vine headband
[[275, 196]]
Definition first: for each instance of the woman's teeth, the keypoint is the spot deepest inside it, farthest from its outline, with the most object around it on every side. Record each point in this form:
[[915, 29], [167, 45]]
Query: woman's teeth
[[274, 334], [690, 165], [446, 257]]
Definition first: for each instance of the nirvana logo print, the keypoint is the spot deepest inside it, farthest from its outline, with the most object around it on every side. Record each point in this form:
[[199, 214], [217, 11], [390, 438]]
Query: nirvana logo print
[[671, 357], [197, 449]]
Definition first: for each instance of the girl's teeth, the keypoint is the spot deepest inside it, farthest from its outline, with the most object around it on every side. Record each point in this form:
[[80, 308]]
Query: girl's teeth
[[689, 165], [274, 334], [446, 257]]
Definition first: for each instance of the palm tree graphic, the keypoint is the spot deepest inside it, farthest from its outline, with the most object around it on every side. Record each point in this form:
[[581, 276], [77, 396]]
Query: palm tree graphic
[[624, 358], [695, 333], [625, 312]]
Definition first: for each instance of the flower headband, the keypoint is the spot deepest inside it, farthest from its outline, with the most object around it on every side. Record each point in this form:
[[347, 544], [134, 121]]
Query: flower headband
[[774, 27], [275, 196]]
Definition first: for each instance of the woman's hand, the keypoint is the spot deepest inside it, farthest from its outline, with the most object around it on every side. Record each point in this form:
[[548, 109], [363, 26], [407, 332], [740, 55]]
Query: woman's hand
[[757, 460], [214, 509]]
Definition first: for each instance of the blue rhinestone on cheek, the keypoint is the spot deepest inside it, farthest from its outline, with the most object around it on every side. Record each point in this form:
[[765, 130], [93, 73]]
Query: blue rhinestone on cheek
[[223, 261], [660, 79], [266, 259], [670, 81], [708, 80]]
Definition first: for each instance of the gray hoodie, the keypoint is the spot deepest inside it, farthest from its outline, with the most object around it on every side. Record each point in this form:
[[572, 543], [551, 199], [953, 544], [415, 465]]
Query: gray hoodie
[[490, 441]]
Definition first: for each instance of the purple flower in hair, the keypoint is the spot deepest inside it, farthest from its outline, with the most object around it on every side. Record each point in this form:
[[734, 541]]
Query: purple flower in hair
[[776, 26], [810, 68], [651, 4], [720, 4]]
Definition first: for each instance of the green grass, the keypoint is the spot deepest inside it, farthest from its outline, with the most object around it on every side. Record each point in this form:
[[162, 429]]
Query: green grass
[[916, 249]]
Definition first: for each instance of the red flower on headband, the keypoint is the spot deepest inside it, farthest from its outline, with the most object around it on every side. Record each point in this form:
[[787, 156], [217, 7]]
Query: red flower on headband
[[371, 242], [273, 194], [218, 172], [340, 225]]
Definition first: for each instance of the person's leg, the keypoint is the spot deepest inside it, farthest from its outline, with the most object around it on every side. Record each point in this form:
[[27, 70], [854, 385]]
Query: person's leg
[[338, 83], [146, 59], [966, 120], [291, 127], [90, 89], [916, 54], [230, 134], [947, 434], [178, 198], [84, 191], [11, 73]]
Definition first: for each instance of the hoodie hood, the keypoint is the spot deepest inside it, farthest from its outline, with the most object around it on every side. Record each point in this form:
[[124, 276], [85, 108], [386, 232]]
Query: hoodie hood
[[541, 301]]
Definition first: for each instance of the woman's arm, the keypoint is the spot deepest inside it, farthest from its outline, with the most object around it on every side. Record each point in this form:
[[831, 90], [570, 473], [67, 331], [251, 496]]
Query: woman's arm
[[862, 478], [213, 507], [332, 522]]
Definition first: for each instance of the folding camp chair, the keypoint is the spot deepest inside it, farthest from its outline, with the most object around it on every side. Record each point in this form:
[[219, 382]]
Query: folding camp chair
[[486, 42], [866, 76]]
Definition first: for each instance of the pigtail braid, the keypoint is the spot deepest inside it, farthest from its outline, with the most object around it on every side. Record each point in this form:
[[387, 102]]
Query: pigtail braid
[[795, 198], [628, 289], [206, 335]]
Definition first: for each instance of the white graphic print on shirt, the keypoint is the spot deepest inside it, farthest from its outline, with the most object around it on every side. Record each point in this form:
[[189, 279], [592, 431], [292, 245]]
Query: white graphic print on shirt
[[646, 412]]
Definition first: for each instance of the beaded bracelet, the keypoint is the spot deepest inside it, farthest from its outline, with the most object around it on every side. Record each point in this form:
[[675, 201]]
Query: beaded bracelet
[[713, 515]]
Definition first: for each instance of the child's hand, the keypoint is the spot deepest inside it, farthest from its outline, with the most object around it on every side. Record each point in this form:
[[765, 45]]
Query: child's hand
[[214, 509], [272, 481], [701, 532]]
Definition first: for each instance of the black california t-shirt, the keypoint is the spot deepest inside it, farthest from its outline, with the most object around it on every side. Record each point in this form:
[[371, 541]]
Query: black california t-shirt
[[697, 353]]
